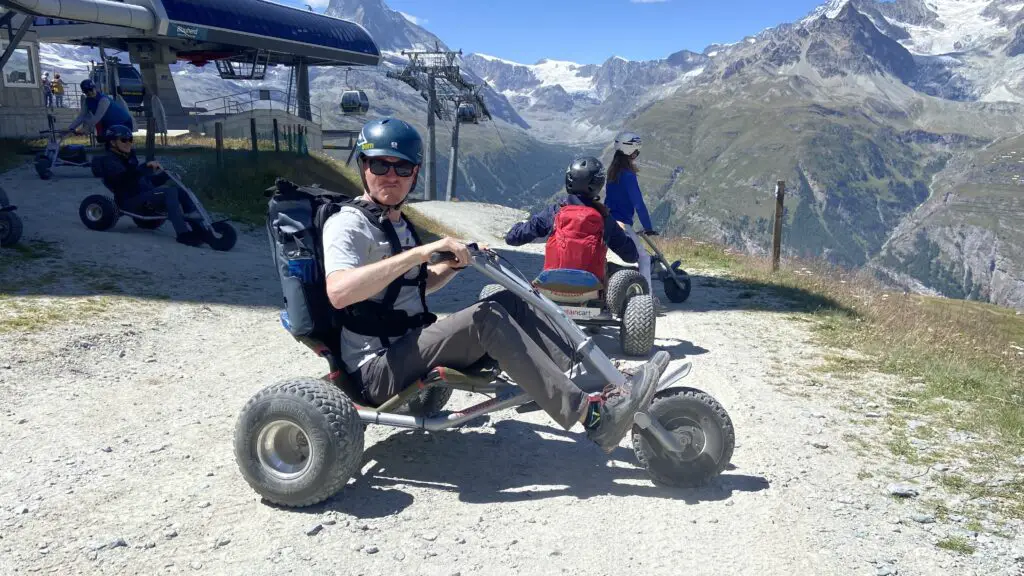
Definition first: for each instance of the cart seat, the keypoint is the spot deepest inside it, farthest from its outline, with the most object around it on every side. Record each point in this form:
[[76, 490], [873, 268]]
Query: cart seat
[[480, 373], [568, 285]]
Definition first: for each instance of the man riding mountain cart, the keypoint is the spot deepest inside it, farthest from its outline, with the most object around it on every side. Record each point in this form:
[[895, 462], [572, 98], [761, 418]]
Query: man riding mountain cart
[[150, 196], [355, 277], [100, 111], [142, 187]]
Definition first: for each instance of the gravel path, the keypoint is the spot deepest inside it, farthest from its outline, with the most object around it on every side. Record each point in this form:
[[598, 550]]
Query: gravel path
[[117, 427]]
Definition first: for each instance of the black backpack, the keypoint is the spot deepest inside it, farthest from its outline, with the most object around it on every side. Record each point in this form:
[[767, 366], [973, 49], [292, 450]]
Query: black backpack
[[295, 219]]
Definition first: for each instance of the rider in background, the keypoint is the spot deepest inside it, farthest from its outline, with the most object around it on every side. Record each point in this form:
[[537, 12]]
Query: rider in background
[[624, 196], [101, 111], [580, 227], [137, 187]]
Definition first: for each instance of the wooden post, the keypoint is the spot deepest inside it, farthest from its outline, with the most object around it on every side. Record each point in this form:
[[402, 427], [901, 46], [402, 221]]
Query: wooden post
[[780, 194], [288, 136], [218, 130], [252, 131], [150, 138], [277, 138]]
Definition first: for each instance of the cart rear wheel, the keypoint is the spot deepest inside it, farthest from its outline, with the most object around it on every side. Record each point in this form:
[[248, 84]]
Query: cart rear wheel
[[621, 286], [10, 229], [637, 327], [98, 212], [297, 443]]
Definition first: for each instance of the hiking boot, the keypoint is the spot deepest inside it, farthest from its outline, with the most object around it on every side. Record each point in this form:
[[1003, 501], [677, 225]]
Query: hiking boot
[[191, 238], [616, 405]]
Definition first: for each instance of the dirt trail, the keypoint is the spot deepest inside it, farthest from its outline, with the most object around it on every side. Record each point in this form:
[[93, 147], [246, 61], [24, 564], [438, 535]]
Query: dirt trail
[[117, 427]]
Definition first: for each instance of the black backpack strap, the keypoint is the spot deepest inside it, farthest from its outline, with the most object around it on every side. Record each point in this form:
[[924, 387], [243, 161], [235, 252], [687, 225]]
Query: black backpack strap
[[377, 217], [421, 279]]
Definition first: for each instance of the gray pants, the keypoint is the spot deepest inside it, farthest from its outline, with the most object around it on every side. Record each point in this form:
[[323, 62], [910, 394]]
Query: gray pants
[[524, 343]]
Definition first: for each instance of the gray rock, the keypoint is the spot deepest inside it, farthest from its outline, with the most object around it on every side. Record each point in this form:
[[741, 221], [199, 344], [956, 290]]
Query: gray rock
[[170, 533], [204, 504], [902, 490], [314, 530], [399, 556], [328, 521], [92, 555], [107, 449], [222, 541], [922, 518], [431, 536], [118, 543], [195, 565], [371, 549], [819, 444], [886, 570]]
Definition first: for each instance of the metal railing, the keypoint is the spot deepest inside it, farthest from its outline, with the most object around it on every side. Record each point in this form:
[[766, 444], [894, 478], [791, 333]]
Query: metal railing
[[254, 100], [72, 98]]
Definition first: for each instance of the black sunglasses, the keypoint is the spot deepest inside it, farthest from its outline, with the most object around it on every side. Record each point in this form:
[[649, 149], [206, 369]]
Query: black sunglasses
[[380, 167]]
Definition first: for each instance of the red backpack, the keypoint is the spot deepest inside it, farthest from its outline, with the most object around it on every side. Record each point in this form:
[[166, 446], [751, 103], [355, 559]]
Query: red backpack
[[577, 241]]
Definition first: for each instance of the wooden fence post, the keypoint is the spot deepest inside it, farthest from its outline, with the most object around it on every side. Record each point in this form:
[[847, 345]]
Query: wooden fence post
[[252, 131], [218, 130], [277, 140], [288, 136], [150, 138], [780, 194]]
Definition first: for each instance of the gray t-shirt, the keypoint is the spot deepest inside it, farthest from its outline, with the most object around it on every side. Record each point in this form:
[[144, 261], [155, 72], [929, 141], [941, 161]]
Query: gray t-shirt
[[351, 241]]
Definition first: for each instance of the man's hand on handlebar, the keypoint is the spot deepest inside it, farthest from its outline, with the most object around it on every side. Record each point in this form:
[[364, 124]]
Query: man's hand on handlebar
[[154, 165], [458, 249]]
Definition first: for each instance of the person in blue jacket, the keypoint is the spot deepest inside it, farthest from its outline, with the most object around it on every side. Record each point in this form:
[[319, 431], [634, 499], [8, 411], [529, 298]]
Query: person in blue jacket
[[583, 182], [101, 111], [137, 186], [623, 196]]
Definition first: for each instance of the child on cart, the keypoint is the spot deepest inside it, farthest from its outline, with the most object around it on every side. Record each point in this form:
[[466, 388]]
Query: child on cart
[[579, 228]]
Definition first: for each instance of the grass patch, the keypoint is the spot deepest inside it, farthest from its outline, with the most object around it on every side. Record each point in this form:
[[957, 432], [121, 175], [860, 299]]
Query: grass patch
[[959, 360], [956, 544], [237, 188], [16, 257], [31, 314], [13, 153]]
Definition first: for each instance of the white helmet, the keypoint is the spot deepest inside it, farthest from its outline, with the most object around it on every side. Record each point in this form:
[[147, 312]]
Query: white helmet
[[628, 143]]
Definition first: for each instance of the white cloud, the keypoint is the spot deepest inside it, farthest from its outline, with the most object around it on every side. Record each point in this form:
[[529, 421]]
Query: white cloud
[[414, 19]]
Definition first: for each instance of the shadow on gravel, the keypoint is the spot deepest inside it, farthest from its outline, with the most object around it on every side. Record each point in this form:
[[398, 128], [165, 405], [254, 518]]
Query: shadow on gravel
[[712, 294], [513, 464]]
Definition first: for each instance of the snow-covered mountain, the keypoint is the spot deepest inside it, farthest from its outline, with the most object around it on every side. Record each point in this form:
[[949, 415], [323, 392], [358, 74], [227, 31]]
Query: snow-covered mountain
[[569, 102]]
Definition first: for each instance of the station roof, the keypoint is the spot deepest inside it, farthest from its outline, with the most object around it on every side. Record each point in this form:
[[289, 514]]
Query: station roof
[[198, 29]]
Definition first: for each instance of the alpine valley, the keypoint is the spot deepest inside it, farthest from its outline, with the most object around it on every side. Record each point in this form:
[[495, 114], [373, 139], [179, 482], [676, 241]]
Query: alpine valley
[[896, 126]]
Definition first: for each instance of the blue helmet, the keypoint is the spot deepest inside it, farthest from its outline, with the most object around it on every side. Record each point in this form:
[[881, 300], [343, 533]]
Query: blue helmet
[[117, 131], [87, 85], [390, 137]]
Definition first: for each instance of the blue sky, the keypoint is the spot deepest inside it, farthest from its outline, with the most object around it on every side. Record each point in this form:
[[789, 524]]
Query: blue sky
[[591, 31]]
